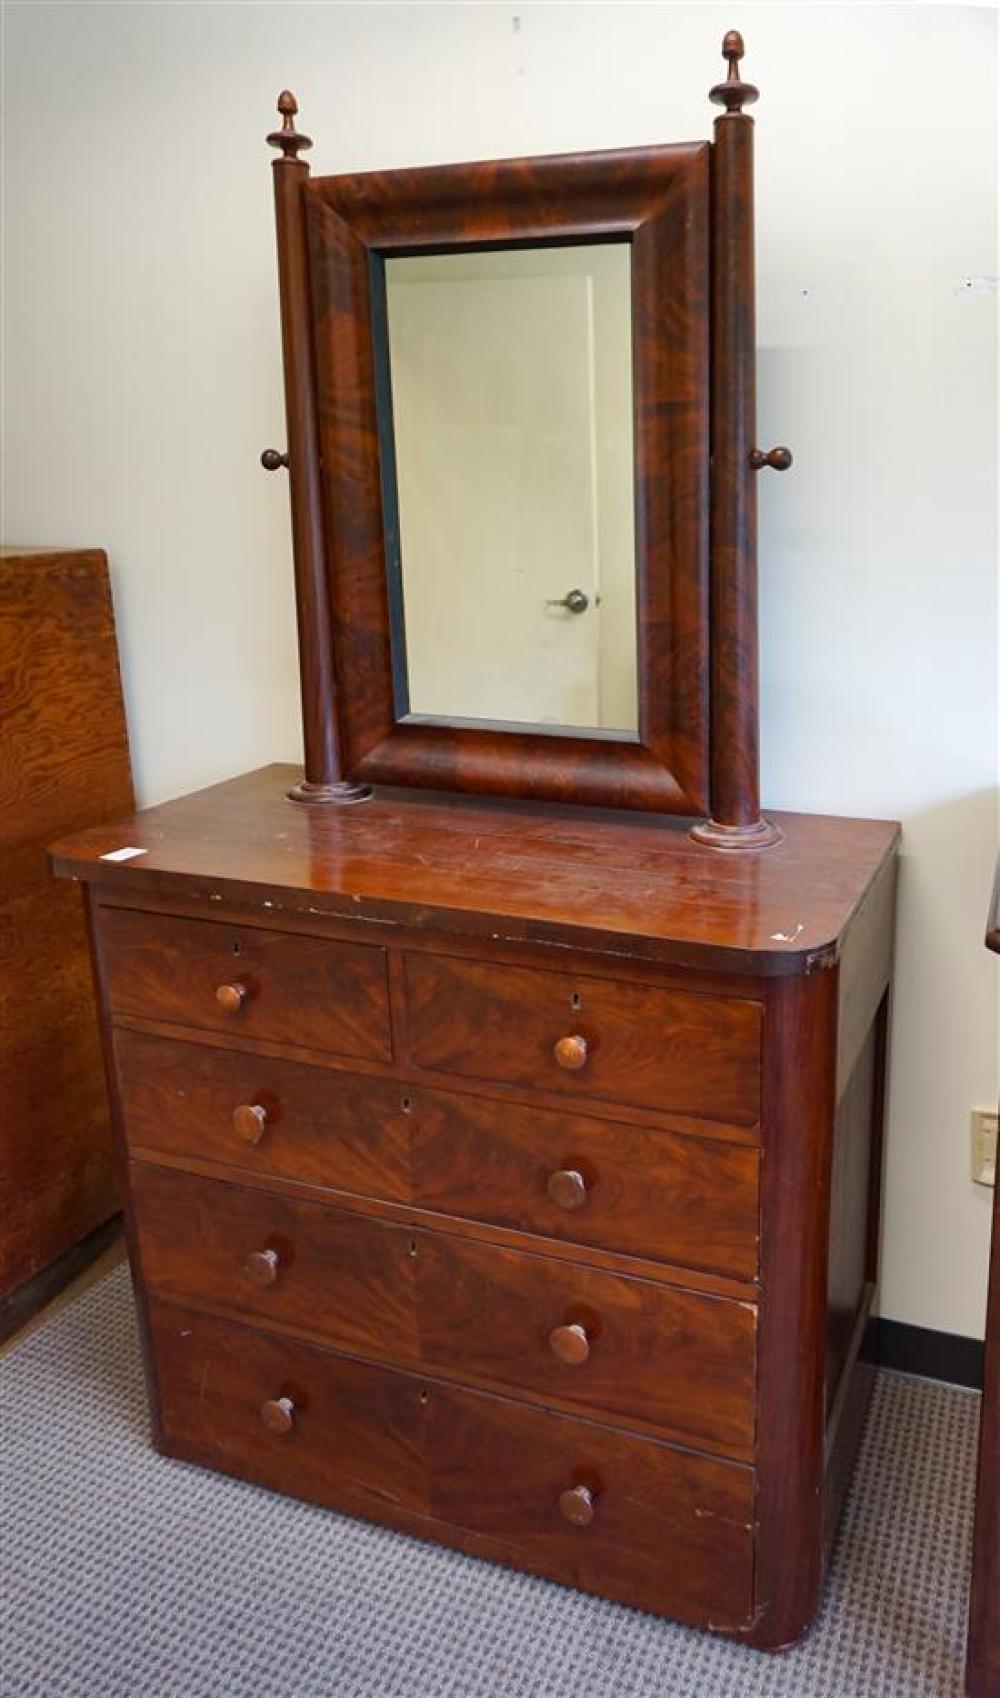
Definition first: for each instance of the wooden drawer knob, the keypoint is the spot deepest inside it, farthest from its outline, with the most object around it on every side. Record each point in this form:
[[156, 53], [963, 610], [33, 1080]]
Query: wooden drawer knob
[[576, 1504], [250, 1121], [278, 1414], [567, 1187], [570, 1344], [231, 998], [571, 1052], [262, 1266]]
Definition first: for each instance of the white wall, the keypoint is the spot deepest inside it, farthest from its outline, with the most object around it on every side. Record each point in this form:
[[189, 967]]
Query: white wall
[[143, 378]]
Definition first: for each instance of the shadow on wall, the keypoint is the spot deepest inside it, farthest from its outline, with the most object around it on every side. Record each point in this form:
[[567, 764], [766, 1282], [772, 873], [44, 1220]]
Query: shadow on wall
[[943, 1063]]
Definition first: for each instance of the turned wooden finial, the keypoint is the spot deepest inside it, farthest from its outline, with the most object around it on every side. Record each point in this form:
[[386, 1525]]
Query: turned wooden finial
[[288, 138], [733, 94]]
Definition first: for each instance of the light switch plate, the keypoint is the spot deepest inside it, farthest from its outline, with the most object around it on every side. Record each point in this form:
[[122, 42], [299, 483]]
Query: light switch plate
[[984, 1146]]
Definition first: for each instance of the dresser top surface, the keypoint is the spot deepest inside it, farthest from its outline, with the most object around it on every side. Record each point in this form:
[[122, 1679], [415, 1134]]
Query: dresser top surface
[[591, 878]]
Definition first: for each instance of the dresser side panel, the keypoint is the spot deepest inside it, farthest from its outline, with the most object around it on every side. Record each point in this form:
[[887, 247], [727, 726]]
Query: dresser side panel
[[118, 1127], [799, 1091]]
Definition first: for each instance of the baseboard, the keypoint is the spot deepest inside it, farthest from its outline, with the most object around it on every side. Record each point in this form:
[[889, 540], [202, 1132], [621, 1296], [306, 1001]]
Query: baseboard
[[920, 1350], [18, 1306]]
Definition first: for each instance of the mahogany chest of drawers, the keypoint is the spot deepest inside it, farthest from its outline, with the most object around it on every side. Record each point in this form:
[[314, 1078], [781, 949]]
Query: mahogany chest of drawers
[[507, 1174]]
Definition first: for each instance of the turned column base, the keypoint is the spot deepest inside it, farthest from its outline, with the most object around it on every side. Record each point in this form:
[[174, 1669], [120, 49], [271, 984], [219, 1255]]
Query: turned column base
[[342, 793], [761, 835]]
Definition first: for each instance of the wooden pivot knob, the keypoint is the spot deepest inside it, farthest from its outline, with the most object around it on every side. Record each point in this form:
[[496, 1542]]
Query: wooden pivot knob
[[262, 1266], [576, 1504], [250, 1121], [567, 1187], [778, 459], [231, 998], [278, 1414], [571, 1053], [570, 1344]]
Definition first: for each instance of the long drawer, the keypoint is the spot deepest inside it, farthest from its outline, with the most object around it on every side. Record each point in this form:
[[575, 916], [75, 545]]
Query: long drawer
[[251, 983], [635, 1044], [283, 1119], [627, 1189], [628, 1517], [633, 1350]]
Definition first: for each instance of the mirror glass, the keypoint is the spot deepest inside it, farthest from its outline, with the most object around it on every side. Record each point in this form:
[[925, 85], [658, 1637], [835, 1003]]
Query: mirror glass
[[505, 400]]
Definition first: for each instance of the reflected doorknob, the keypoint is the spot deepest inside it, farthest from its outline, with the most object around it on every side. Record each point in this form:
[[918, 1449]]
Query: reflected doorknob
[[574, 601]]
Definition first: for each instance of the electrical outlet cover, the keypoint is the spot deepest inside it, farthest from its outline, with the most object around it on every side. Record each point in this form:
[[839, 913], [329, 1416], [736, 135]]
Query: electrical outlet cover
[[984, 1146]]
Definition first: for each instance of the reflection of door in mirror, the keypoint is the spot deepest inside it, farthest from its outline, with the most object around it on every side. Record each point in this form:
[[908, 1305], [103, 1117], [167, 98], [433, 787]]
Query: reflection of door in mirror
[[511, 541]]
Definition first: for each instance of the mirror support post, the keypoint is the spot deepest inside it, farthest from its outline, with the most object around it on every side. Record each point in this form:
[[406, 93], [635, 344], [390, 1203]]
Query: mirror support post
[[736, 821], [323, 780]]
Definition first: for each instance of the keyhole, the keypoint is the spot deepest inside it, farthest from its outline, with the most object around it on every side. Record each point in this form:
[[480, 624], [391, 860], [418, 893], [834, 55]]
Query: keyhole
[[237, 948], [412, 1247], [576, 1000], [406, 1104]]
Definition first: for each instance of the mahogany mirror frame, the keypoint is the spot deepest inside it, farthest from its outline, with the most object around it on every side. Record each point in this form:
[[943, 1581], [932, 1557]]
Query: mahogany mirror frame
[[686, 211]]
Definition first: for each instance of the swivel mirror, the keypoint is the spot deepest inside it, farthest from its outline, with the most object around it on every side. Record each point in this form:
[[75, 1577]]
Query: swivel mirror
[[520, 406]]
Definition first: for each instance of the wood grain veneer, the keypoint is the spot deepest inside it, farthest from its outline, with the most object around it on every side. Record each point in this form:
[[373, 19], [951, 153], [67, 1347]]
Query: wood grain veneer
[[633, 1044], [657, 200], [592, 879], [671, 1530], [508, 1171], [64, 764], [333, 996], [707, 1296], [335, 1130], [686, 1200], [657, 1357]]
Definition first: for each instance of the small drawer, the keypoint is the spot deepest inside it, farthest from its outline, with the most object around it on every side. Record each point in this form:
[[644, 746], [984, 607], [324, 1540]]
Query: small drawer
[[281, 1118], [676, 1051], [631, 1518], [248, 982], [630, 1349]]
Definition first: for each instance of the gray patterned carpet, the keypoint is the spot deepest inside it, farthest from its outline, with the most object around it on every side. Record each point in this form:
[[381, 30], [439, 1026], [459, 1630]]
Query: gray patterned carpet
[[127, 1576]]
